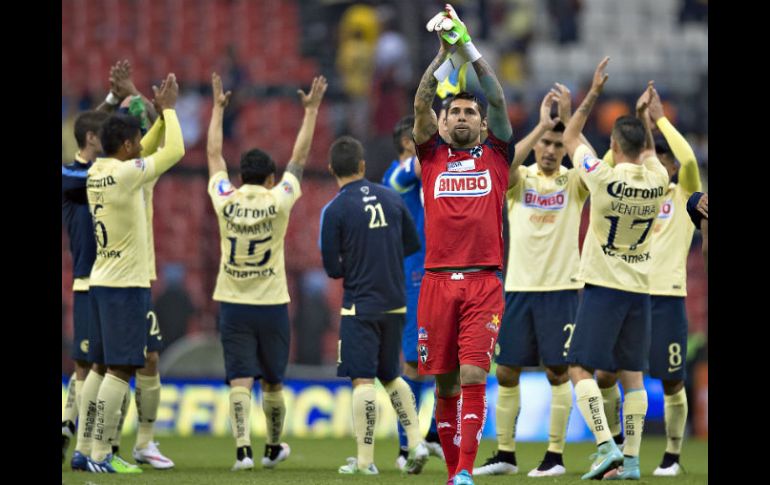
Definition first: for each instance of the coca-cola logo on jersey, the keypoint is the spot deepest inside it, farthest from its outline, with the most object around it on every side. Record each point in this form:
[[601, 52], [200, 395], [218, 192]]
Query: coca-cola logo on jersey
[[666, 210], [464, 184], [552, 201]]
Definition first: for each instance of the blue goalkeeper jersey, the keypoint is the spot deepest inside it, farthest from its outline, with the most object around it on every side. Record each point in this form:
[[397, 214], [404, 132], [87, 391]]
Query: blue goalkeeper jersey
[[401, 177], [77, 218]]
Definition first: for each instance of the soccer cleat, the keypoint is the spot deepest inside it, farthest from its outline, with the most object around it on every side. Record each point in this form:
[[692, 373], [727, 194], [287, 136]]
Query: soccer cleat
[[243, 464], [418, 456], [607, 457], [554, 471], [497, 465], [435, 450], [283, 454], [352, 468], [462, 478], [79, 462], [104, 466], [151, 455], [401, 462], [122, 466], [629, 470], [670, 471], [551, 466]]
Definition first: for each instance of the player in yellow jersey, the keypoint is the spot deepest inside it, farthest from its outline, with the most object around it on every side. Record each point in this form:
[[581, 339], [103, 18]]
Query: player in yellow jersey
[[251, 285], [545, 202], [671, 238], [120, 277], [612, 327]]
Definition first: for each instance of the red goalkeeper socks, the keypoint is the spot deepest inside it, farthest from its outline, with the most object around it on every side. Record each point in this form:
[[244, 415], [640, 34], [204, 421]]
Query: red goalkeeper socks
[[447, 409], [473, 414]]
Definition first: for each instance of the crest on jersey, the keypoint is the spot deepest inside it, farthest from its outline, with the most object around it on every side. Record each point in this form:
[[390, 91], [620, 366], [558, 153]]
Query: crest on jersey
[[225, 188], [287, 187], [477, 151], [423, 351], [587, 165], [365, 190], [494, 325], [422, 334], [561, 180]]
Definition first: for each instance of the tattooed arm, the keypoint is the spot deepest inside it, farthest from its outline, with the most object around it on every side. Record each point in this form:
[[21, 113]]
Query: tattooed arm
[[572, 139], [425, 123], [497, 115]]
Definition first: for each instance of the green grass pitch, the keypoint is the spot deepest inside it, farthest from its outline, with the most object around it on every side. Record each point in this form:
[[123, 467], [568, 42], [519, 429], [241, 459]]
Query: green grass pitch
[[207, 460]]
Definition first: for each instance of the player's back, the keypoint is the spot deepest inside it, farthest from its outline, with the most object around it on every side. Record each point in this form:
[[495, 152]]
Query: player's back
[[117, 204], [625, 200], [368, 230], [252, 225]]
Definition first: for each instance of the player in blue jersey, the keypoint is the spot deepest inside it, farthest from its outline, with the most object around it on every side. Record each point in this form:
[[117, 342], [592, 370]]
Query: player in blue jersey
[[698, 209], [366, 231], [401, 177], [80, 231]]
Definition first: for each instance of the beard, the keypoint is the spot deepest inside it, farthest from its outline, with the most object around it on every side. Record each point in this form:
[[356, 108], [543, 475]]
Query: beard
[[463, 137]]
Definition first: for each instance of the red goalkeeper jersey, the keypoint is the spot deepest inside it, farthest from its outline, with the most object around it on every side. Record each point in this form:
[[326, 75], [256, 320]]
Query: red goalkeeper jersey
[[464, 193]]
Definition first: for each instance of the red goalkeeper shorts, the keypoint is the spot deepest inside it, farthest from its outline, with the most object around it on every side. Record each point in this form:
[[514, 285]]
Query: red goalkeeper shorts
[[458, 319]]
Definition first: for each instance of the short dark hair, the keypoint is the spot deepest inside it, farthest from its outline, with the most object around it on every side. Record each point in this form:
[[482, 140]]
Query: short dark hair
[[88, 121], [662, 148], [345, 154], [403, 128], [117, 129], [558, 127], [256, 166], [630, 135], [470, 97]]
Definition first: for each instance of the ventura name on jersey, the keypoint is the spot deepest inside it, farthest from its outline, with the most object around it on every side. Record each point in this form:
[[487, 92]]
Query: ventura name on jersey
[[552, 201], [463, 184]]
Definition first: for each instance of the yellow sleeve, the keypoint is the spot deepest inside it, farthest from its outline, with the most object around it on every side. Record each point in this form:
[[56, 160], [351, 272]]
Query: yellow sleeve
[[151, 139], [689, 175], [609, 159], [173, 151], [653, 164]]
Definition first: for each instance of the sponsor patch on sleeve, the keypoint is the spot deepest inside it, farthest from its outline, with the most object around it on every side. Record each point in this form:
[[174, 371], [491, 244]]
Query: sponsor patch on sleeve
[[139, 163], [590, 162], [287, 187], [225, 188]]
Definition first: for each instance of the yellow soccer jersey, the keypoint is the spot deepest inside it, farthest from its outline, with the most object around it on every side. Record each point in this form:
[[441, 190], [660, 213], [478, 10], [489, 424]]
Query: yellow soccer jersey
[[625, 201], [148, 209], [116, 198], [671, 238], [252, 227], [544, 225]]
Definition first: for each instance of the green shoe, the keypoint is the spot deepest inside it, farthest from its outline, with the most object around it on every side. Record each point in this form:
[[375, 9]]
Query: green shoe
[[629, 470], [607, 457], [122, 466]]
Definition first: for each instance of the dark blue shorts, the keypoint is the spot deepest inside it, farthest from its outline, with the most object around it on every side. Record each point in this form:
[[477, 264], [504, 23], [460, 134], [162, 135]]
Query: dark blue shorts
[[119, 325], [409, 337], [668, 347], [81, 309], [255, 339], [154, 337], [537, 324], [369, 347], [612, 330]]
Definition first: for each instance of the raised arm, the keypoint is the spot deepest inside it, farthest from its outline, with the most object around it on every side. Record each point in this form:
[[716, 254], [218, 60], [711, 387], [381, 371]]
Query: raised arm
[[689, 175], [574, 129], [425, 122], [216, 161], [497, 113], [642, 113], [311, 102], [173, 149], [525, 145]]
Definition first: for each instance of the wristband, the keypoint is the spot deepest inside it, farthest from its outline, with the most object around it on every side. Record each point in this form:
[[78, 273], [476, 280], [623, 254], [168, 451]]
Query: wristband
[[469, 52]]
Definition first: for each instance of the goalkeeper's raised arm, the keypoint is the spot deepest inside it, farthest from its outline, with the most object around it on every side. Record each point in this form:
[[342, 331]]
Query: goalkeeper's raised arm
[[425, 122]]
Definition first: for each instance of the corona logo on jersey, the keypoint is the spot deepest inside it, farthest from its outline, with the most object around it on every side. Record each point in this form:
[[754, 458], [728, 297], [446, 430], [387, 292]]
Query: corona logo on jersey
[[620, 190], [666, 210], [552, 201], [464, 184]]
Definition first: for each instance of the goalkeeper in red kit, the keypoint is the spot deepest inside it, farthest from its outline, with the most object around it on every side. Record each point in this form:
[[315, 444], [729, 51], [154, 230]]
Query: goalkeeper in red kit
[[461, 299]]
